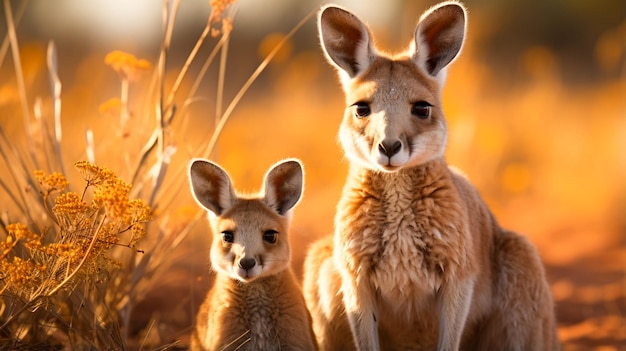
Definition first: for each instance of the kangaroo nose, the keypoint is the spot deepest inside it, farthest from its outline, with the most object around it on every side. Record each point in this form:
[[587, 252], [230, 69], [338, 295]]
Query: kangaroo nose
[[390, 148], [247, 263]]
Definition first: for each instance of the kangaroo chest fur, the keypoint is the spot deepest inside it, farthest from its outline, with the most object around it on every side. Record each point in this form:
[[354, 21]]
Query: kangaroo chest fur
[[251, 313], [404, 232]]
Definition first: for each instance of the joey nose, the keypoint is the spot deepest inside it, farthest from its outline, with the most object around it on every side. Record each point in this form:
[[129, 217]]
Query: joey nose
[[390, 148], [247, 263]]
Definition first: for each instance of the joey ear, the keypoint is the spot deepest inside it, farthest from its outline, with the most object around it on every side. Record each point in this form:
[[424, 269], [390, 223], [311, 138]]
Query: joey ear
[[283, 185], [439, 37], [211, 186], [345, 40]]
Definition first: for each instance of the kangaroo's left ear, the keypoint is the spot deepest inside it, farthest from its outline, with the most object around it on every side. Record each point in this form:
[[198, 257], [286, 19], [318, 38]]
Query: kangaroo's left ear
[[439, 37], [283, 185], [211, 186], [346, 41]]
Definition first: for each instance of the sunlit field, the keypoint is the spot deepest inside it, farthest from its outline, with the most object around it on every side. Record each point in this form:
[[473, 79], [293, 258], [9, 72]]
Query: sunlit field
[[116, 99]]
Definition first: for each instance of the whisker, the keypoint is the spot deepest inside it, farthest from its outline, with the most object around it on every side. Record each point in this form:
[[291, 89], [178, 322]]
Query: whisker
[[236, 340]]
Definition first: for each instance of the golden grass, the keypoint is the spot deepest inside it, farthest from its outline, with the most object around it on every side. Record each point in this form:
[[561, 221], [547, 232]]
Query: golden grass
[[75, 270]]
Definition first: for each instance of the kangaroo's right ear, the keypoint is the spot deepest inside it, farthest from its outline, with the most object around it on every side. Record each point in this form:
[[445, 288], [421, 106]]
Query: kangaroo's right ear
[[211, 186], [346, 41], [439, 37], [283, 185]]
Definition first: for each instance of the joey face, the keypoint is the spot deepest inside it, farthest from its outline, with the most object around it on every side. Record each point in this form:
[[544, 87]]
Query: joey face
[[250, 233], [393, 117], [250, 241]]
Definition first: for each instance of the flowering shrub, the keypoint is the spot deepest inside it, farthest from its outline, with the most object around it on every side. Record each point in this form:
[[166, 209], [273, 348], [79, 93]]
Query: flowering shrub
[[74, 265], [43, 272]]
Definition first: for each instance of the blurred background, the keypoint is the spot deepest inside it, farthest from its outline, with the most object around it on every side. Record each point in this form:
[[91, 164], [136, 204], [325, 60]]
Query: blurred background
[[536, 108]]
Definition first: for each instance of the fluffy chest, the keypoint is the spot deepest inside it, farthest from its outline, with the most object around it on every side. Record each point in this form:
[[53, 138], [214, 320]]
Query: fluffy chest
[[246, 315], [404, 235]]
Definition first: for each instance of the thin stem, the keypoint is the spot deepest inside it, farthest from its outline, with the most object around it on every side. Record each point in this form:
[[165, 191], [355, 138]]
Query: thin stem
[[15, 51], [219, 100], [37, 294], [45, 138], [82, 261], [5, 43], [124, 102], [199, 77], [55, 87], [12, 196], [19, 75], [14, 175], [185, 68], [222, 122]]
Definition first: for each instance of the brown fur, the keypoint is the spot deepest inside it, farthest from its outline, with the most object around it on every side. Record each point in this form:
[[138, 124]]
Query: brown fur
[[417, 262], [255, 302]]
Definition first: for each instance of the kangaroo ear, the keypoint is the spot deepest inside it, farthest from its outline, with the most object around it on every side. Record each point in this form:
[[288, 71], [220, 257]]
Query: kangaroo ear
[[345, 40], [283, 185], [211, 186], [439, 37]]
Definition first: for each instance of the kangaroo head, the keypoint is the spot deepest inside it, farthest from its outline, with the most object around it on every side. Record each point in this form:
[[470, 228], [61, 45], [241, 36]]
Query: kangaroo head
[[393, 118], [250, 232]]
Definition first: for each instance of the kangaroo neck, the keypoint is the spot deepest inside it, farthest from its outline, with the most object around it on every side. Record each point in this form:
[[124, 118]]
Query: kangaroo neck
[[409, 179]]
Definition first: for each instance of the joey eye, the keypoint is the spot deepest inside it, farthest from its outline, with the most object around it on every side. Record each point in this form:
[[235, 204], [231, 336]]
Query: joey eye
[[228, 236], [421, 109], [270, 236], [361, 109]]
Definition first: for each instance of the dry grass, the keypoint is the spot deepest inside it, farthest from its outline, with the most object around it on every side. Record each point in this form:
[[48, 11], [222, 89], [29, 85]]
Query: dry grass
[[75, 263]]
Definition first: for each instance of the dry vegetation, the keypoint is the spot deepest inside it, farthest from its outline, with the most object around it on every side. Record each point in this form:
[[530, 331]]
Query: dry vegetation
[[78, 271]]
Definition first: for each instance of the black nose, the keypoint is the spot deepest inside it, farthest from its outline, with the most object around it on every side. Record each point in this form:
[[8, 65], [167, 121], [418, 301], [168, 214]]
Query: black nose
[[390, 148], [247, 263]]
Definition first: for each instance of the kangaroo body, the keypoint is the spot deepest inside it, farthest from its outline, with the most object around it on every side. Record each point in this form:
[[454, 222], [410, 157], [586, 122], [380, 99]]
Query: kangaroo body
[[417, 262], [255, 302]]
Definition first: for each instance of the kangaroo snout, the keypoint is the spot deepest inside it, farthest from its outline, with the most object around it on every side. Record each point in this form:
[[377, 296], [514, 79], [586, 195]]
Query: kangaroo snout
[[390, 154], [247, 268], [247, 263], [390, 147]]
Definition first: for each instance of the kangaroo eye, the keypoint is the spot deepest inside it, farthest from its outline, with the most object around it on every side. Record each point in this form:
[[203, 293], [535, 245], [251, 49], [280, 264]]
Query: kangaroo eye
[[361, 109], [228, 236], [270, 236], [421, 109]]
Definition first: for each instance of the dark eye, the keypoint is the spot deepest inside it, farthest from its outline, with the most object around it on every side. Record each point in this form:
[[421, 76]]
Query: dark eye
[[270, 236], [228, 236], [361, 109], [421, 109]]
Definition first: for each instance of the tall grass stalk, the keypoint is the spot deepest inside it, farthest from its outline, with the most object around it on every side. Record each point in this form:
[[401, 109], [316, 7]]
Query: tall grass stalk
[[72, 274]]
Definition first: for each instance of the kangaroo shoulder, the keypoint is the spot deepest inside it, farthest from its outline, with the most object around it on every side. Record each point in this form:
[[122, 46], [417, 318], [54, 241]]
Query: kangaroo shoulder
[[467, 191]]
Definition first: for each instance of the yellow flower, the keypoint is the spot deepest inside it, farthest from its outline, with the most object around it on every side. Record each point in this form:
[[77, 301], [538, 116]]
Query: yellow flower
[[137, 233], [94, 175], [218, 8], [70, 204], [108, 236], [112, 106], [126, 64], [112, 195], [140, 211], [19, 231], [51, 182], [23, 273]]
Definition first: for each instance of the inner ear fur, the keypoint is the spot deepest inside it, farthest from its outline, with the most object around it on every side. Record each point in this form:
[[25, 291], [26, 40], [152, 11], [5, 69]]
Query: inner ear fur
[[346, 40], [211, 186], [283, 186], [439, 36]]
